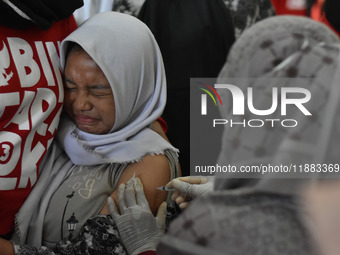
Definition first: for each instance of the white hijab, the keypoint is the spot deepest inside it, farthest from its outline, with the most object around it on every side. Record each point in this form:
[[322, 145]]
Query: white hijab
[[127, 53]]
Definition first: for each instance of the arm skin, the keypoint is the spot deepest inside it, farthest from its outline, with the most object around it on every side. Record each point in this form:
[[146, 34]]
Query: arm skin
[[6, 247], [154, 171]]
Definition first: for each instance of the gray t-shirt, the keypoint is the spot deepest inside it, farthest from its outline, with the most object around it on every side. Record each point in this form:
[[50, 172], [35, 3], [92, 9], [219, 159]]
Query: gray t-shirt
[[83, 195]]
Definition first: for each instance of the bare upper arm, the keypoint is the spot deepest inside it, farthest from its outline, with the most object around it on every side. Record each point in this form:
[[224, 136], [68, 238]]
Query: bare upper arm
[[154, 171]]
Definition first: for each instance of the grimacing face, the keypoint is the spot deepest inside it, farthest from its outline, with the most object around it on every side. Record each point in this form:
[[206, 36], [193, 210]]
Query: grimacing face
[[89, 100]]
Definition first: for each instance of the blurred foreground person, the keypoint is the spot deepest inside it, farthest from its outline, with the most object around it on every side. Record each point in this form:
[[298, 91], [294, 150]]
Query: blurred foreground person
[[257, 213]]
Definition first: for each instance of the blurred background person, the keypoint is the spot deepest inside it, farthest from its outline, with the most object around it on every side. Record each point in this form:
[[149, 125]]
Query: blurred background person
[[195, 38]]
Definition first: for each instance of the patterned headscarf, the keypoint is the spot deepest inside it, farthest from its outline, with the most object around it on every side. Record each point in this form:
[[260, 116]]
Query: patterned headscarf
[[263, 215], [301, 53]]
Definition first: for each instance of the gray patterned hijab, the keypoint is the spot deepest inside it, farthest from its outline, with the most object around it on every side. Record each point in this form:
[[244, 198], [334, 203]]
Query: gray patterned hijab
[[302, 53], [263, 215]]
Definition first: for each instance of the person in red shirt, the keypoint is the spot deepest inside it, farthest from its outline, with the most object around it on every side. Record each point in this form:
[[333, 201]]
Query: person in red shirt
[[31, 94], [290, 7]]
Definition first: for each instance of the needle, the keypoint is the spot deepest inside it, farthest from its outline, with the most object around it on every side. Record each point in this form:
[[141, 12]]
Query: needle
[[165, 188]]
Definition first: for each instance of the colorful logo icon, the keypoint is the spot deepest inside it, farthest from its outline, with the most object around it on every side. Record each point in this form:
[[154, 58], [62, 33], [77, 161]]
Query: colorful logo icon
[[211, 93]]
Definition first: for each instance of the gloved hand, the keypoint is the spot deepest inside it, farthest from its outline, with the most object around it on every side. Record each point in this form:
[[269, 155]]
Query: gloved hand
[[190, 187], [139, 229]]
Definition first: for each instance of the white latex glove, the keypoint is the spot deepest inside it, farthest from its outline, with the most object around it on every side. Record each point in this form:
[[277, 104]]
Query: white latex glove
[[139, 229], [189, 187]]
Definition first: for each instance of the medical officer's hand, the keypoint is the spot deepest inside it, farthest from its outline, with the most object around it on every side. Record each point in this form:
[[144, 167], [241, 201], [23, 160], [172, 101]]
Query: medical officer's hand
[[190, 187], [139, 229]]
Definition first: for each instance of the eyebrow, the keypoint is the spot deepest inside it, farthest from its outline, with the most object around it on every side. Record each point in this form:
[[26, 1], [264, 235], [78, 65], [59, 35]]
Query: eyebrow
[[97, 86]]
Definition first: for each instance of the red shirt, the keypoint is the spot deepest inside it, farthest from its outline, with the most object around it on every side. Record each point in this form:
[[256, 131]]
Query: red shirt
[[148, 253], [290, 7], [31, 98]]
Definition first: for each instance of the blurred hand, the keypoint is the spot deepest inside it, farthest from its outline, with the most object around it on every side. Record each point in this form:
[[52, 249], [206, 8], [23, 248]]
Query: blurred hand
[[190, 187], [322, 209], [139, 229]]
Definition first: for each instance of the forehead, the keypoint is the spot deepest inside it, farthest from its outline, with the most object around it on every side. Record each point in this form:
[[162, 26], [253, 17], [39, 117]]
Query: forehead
[[80, 64], [78, 53]]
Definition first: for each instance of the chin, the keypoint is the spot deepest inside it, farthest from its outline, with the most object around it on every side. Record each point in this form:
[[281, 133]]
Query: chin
[[86, 129]]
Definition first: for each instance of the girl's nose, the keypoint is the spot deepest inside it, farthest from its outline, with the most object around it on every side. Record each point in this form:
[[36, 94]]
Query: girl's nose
[[82, 102]]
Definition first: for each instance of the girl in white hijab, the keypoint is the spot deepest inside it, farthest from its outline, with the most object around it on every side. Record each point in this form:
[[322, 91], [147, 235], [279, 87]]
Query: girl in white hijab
[[115, 89]]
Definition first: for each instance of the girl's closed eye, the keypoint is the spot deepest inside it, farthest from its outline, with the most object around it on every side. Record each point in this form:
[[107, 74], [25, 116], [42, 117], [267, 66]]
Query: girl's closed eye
[[100, 91], [69, 85]]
